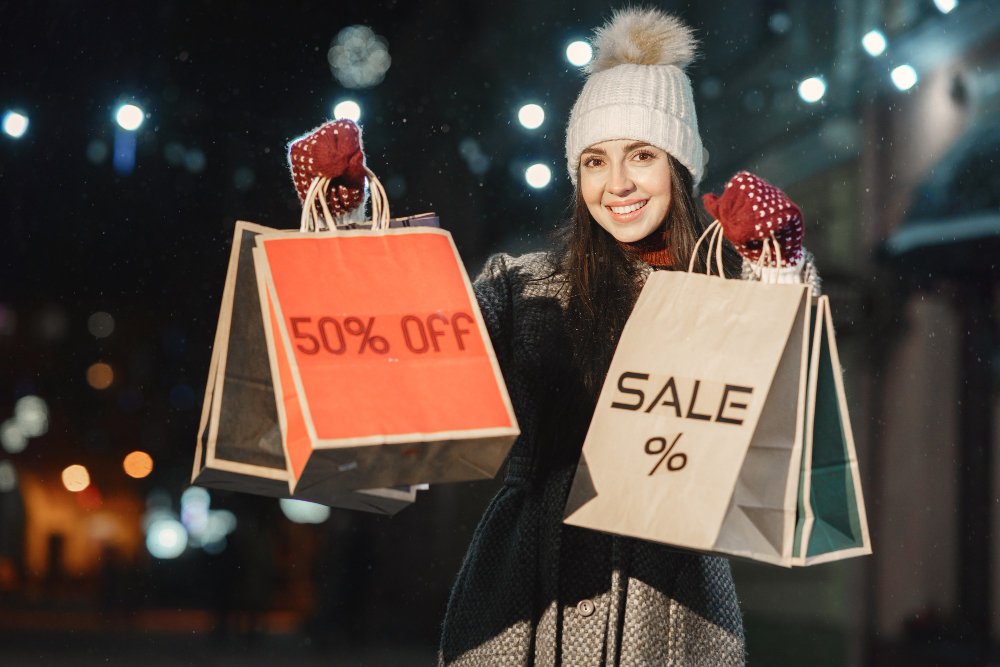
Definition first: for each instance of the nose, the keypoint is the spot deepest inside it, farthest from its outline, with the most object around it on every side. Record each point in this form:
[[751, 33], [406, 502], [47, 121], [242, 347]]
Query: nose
[[619, 183]]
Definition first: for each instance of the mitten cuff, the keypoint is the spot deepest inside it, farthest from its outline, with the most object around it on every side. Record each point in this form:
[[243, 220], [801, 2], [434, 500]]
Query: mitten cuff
[[802, 272]]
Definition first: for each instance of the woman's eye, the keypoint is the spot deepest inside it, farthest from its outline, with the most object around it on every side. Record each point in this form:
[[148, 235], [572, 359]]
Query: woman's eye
[[642, 156], [592, 162]]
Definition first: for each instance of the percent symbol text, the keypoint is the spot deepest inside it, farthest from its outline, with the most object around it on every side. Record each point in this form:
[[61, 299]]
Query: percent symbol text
[[671, 462]]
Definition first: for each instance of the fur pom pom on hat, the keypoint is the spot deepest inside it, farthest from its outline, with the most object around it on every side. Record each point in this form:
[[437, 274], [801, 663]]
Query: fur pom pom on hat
[[642, 37], [637, 89]]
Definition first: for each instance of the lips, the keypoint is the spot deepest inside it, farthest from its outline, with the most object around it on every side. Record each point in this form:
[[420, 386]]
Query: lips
[[626, 207], [628, 210]]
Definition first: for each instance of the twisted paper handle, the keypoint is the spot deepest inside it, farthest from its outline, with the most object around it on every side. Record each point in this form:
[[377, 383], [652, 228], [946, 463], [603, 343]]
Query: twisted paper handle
[[714, 231], [316, 215]]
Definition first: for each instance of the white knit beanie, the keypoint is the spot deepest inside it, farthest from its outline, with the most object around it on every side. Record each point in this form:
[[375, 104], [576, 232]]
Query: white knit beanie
[[637, 89]]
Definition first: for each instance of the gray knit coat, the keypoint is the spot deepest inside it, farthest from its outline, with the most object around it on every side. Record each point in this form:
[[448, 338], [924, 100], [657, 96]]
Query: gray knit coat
[[532, 591]]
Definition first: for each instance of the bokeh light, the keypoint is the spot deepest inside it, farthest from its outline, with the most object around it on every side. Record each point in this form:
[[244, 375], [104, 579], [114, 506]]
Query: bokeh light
[[129, 117], [347, 109], [97, 151], [52, 322], [904, 77], [12, 438], [174, 153], [166, 538], [300, 511], [579, 53], [945, 6], [32, 416], [206, 528], [8, 477], [101, 324], [812, 89], [195, 160], [779, 22], [15, 124], [75, 478], [358, 57], [531, 116], [874, 42], [138, 464], [538, 175], [100, 375], [477, 161], [243, 178]]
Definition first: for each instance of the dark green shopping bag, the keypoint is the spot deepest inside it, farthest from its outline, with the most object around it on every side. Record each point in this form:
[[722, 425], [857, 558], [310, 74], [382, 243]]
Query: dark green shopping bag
[[831, 522]]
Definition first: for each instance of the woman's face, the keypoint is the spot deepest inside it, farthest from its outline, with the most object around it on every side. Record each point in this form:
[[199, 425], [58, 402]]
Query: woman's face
[[626, 186]]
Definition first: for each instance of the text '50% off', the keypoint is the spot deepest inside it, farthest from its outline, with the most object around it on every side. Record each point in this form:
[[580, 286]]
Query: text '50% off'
[[356, 335]]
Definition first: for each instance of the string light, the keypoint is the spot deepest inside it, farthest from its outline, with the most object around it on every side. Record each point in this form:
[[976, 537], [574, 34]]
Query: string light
[[579, 53], [531, 116], [538, 175], [874, 42], [129, 117], [75, 478], [15, 124], [812, 89], [904, 77]]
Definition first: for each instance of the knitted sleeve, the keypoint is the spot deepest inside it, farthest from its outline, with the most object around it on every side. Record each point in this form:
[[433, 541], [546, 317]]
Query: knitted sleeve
[[492, 289], [803, 272]]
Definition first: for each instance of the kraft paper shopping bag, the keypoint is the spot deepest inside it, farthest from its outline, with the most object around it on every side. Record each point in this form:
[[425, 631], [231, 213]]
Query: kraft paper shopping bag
[[702, 367], [384, 371], [722, 427], [239, 446]]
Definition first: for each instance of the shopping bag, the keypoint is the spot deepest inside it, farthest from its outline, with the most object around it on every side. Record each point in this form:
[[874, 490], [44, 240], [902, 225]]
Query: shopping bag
[[831, 522], [722, 427], [239, 444], [385, 372]]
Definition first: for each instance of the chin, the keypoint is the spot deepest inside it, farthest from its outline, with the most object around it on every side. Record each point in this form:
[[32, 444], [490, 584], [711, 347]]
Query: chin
[[630, 232], [629, 235]]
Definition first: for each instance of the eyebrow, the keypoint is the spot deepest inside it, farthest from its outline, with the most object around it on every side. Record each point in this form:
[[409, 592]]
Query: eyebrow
[[628, 149], [636, 144]]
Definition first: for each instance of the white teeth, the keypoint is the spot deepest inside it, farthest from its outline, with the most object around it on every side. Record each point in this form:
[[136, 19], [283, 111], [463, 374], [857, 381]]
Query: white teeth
[[622, 210]]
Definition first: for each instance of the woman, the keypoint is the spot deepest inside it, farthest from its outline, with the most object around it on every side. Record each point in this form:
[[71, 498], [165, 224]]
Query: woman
[[533, 591]]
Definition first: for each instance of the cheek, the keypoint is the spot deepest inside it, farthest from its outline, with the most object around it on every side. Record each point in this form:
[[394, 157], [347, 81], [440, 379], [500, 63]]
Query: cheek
[[592, 191], [660, 188], [656, 182], [591, 187]]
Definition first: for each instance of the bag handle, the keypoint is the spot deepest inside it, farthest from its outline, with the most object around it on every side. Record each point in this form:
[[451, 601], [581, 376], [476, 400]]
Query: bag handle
[[714, 232], [316, 215], [771, 250]]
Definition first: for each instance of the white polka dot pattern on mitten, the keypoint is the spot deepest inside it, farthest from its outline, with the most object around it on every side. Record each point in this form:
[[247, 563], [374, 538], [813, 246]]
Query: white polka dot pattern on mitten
[[333, 151], [750, 210]]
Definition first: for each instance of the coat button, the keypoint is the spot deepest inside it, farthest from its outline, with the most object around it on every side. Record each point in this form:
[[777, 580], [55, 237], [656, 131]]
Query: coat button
[[585, 608]]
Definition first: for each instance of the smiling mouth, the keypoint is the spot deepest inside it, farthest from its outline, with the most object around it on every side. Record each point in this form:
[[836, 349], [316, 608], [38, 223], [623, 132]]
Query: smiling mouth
[[625, 210]]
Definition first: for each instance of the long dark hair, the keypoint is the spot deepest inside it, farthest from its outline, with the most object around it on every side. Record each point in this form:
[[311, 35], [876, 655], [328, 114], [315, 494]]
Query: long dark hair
[[604, 278]]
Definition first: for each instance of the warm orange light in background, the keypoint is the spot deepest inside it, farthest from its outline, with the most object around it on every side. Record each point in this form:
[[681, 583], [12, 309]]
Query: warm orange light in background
[[138, 464], [91, 535], [100, 375], [75, 478]]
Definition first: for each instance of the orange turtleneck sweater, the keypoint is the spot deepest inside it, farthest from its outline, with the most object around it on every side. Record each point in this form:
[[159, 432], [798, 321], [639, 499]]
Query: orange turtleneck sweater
[[652, 249]]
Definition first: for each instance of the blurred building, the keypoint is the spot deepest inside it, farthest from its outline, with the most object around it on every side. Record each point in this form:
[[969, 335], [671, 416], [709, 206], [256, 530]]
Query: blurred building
[[897, 173]]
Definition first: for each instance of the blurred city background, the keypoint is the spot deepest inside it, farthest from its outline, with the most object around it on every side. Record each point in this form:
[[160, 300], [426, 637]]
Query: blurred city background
[[136, 134]]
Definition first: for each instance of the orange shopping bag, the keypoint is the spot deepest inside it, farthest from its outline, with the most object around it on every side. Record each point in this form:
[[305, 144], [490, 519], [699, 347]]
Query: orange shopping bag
[[384, 371], [240, 434]]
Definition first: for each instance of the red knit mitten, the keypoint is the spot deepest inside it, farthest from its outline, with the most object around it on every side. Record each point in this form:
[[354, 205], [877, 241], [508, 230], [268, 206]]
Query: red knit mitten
[[332, 150], [749, 209]]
